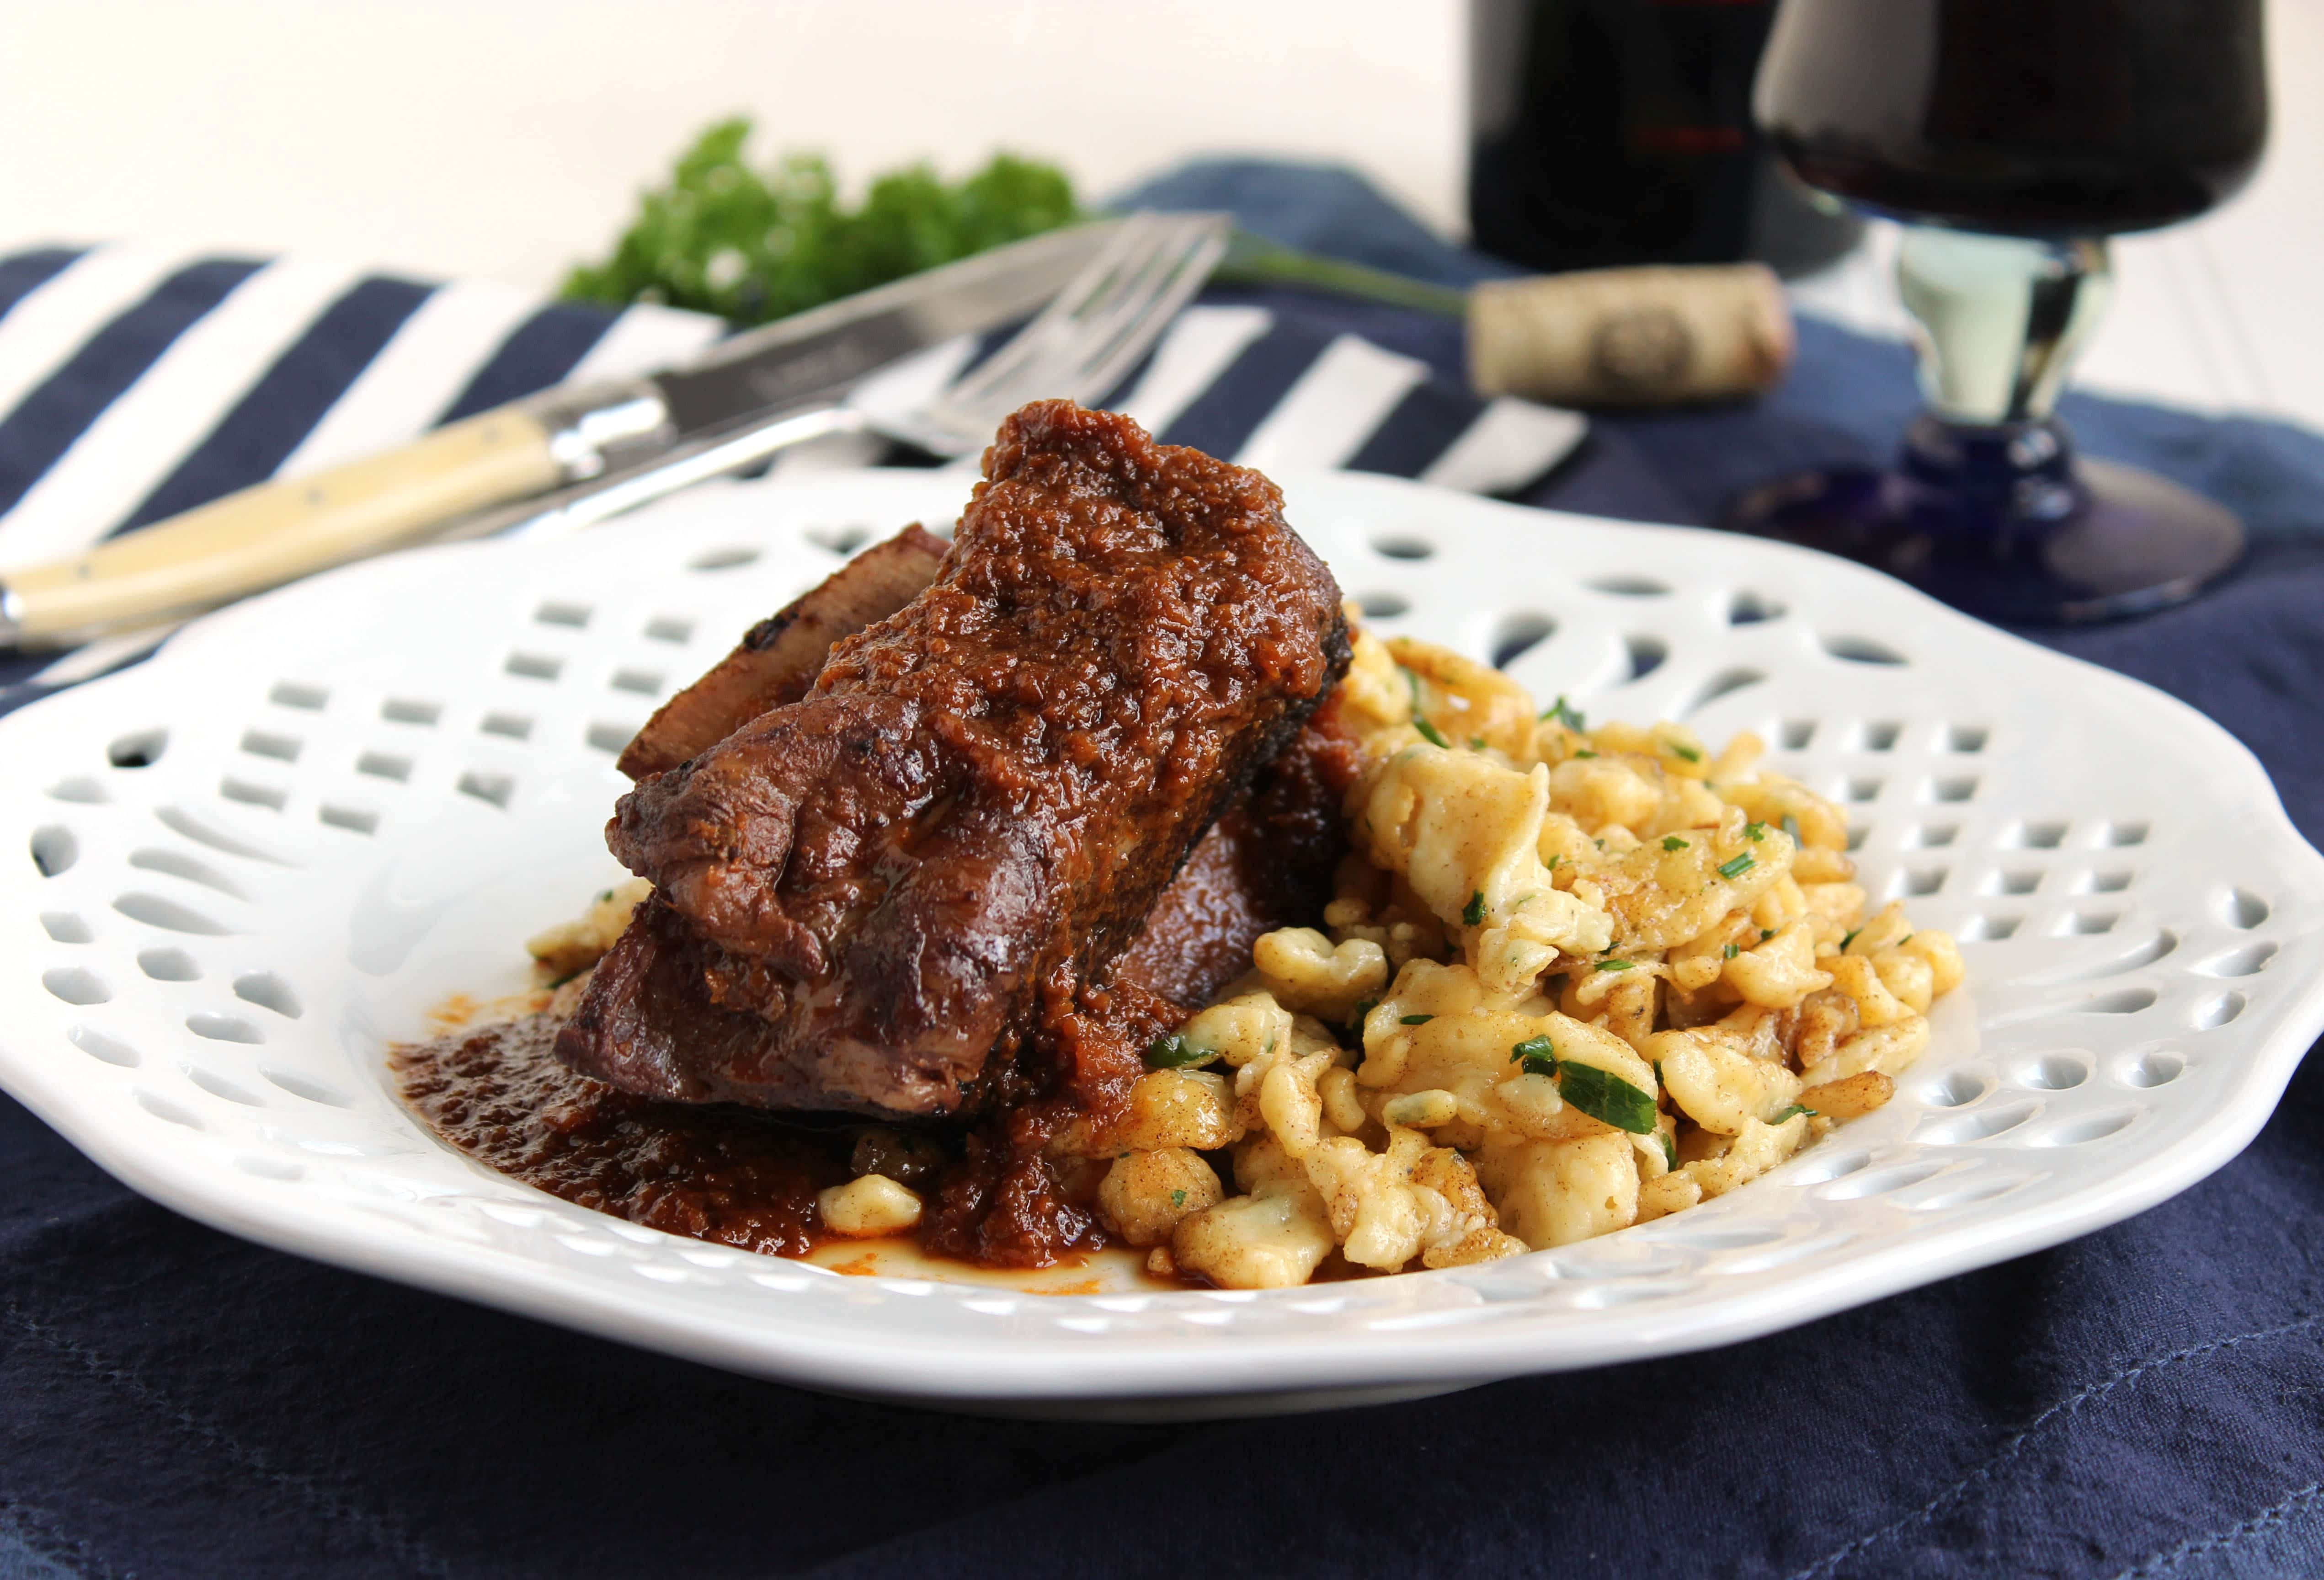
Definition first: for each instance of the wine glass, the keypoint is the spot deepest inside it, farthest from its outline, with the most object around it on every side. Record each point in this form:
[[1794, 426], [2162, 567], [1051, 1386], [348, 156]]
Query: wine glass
[[2014, 136]]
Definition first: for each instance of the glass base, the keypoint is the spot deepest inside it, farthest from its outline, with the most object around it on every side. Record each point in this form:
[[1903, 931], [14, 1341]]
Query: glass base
[[2096, 542]]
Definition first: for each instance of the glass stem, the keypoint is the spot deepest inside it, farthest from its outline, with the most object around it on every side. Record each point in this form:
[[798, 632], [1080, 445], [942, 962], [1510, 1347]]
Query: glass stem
[[1998, 320]]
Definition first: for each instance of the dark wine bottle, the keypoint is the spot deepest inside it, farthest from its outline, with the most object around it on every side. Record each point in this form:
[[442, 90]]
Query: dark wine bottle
[[1612, 132]]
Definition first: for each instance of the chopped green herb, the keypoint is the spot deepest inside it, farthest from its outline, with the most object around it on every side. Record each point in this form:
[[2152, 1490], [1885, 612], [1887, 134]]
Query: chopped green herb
[[1608, 1097], [1793, 1112], [1474, 913], [1552, 865], [1429, 732], [1673, 842], [1565, 714], [1754, 832], [1585, 753], [1765, 933], [1476, 742], [1848, 940], [1791, 828], [1730, 952], [1689, 753], [1615, 964], [1174, 1052], [1415, 1019], [1177, 1199], [1669, 1149], [603, 895], [1538, 1055], [1412, 683], [1364, 1011], [1738, 867], [1907, 938]]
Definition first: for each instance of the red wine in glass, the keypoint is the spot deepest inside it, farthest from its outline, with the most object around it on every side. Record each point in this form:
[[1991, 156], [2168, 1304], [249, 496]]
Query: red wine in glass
[[2014, 136]]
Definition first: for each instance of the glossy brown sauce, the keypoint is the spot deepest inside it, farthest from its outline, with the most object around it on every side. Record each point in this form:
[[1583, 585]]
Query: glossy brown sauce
[[726, 1175], [749, 1179]]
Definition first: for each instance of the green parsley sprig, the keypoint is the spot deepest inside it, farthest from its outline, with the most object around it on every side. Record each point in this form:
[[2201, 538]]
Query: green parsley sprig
[[754, 244]]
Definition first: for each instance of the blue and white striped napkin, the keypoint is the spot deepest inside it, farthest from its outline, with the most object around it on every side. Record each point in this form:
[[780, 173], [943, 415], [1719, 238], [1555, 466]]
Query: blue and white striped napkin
[[137, 381]]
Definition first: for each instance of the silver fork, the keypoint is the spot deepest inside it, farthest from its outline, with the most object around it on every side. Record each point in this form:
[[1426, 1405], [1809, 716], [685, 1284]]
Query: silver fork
[[1076, 348], [1083, 342]]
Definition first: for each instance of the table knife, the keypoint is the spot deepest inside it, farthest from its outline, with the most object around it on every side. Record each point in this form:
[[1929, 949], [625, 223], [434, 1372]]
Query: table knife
[[560, 438]]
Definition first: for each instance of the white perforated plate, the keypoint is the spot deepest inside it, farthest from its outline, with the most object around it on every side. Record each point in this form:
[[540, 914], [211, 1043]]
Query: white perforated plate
[[230, 877]]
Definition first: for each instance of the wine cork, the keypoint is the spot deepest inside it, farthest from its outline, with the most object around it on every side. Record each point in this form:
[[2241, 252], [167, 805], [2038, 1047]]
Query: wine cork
[[1630, 336]]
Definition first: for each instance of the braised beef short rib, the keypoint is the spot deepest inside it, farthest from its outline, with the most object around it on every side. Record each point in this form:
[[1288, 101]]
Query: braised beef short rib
[[864, 897]]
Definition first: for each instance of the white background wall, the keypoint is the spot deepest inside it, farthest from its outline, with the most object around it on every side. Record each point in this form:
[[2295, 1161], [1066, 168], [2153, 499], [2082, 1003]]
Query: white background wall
[[503, 137]]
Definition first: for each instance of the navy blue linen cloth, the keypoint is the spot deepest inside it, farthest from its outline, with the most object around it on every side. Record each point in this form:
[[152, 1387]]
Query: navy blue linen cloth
[[2146, 1400]]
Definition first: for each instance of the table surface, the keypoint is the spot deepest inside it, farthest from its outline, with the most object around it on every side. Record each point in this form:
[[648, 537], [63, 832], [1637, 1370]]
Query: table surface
[[498, 138]]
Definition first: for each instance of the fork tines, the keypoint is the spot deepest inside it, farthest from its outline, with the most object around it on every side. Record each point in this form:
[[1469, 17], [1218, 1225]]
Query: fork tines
[[1093, 331]]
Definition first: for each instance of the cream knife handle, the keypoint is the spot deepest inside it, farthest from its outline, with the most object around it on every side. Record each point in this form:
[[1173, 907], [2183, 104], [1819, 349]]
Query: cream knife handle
[[277, 531]]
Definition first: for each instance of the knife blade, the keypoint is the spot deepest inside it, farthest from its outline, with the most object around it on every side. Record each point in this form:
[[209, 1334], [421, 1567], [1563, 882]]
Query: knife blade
[[818, 353], [277, 531]]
